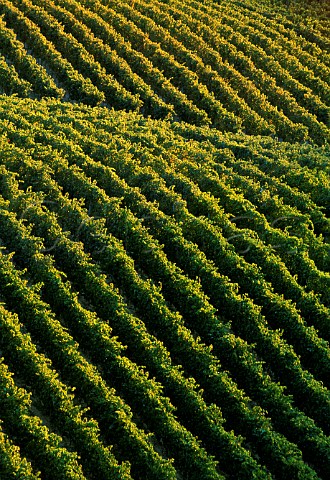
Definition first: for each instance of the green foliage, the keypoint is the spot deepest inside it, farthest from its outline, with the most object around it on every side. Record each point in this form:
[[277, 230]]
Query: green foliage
[[137, 209], [164, 240]]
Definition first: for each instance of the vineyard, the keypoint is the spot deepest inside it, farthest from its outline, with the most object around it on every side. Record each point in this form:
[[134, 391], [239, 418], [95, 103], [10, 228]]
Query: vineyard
[[164, 241]]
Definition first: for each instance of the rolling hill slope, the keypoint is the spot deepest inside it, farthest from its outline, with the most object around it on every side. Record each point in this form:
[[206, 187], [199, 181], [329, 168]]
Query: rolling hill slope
[[164, 241], [223, 64], [198, 252]]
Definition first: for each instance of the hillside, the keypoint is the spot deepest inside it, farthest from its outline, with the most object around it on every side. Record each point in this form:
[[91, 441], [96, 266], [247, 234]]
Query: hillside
[[164, 240], [226, 64]]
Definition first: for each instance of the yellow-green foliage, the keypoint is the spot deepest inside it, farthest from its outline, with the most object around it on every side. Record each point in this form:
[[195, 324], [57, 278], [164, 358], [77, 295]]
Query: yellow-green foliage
[[237, 66], [164, 240]]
